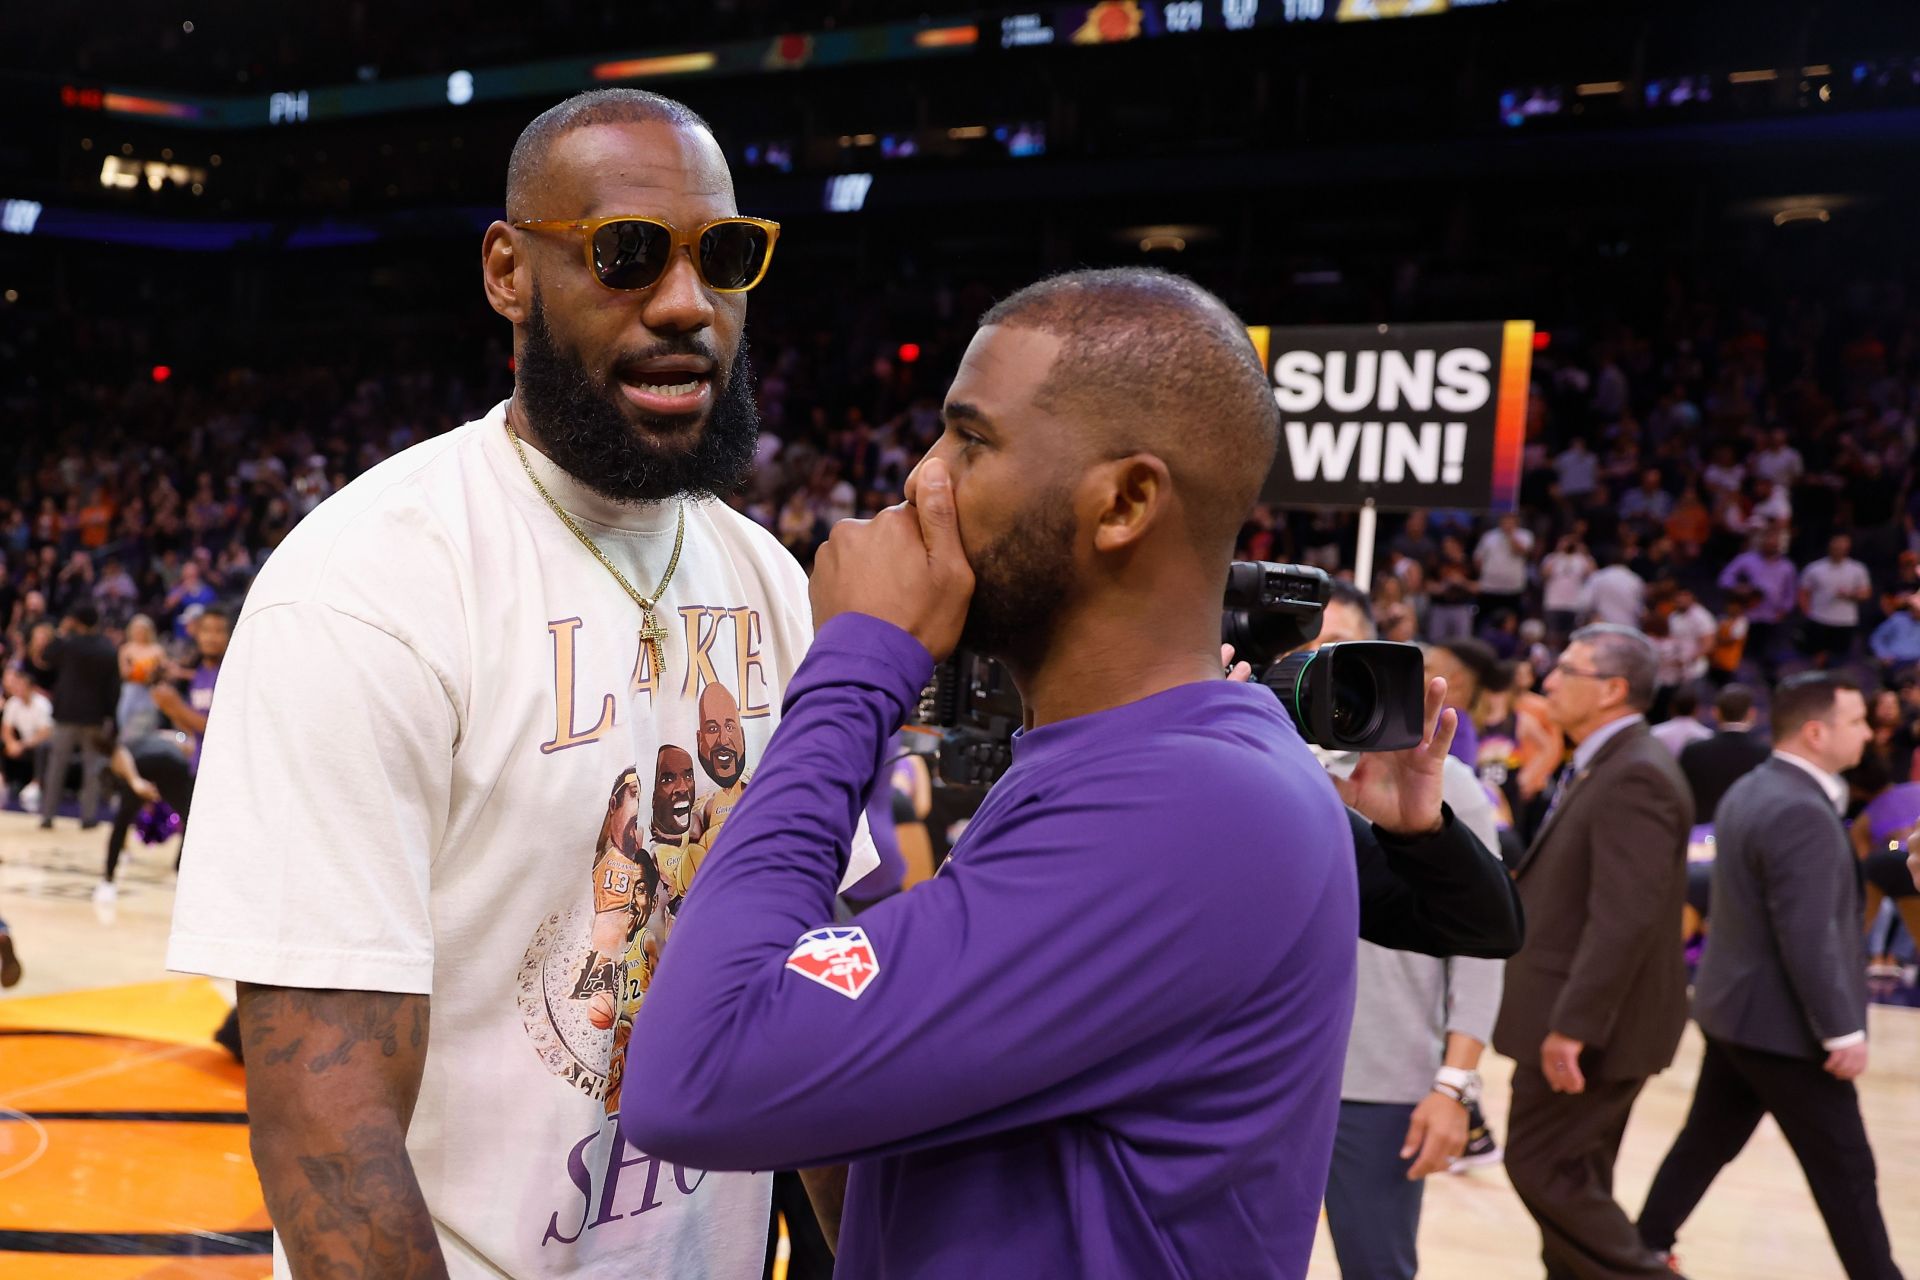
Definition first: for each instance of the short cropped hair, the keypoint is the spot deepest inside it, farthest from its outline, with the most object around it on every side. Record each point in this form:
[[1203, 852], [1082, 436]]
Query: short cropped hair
[[1157, 363], [1807, 696], [1735, 703], [1626, 653], [596, 106]]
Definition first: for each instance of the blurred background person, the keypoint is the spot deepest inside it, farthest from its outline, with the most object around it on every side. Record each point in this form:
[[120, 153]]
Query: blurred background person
[[1735, 749], [1781, 993], [1596, 999], [86, 691]]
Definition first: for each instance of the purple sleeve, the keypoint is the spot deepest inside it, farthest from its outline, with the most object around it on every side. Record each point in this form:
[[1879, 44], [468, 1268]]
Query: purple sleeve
[[1022, 984]]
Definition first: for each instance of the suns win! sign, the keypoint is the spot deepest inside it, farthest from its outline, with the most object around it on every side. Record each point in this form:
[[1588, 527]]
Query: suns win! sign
[[1410, 416]]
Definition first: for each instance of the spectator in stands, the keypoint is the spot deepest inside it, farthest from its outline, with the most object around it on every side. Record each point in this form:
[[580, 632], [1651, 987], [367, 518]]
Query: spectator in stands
[[1683, 728], [1616, 595], [1451, 606], [26, 726], [1765, 572], [1647, 507], [1896, 642], [1578, 470], [1502, 558], [142, 661], [86, 690], [189, 595], [1414, 543], [1831, 593], [1470, 668], [1716, 763], [1881, 836], [1690, 525], [1693, 622]]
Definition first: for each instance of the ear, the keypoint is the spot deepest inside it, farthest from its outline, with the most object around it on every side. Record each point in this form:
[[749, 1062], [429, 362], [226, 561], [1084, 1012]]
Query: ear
[[1134, 493], [504, 274]]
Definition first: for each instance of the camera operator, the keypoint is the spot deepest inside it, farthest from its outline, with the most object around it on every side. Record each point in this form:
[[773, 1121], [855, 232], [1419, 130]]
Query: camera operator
[[1086, 1047], [1409, 1096]]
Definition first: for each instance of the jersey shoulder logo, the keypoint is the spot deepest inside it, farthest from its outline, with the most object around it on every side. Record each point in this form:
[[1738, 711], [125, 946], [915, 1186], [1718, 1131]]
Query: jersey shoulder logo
[[838, 957]]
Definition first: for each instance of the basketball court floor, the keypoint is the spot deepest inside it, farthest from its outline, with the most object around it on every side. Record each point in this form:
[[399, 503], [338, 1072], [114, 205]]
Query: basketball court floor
[[123, 1128]]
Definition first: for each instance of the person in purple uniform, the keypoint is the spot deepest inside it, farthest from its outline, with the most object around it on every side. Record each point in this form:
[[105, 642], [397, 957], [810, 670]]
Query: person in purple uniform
[[1079, 1050]]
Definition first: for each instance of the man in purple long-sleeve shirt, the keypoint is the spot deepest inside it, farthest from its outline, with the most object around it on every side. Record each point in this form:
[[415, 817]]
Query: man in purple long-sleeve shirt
[[1769, 576], [1106, 1040]]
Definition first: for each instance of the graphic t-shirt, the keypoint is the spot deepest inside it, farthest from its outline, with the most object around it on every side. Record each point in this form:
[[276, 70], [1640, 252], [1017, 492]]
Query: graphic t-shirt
[[443, 763]]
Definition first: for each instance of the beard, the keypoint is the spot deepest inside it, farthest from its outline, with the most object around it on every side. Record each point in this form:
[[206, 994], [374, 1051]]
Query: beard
[[1020, 583], [584, 429]]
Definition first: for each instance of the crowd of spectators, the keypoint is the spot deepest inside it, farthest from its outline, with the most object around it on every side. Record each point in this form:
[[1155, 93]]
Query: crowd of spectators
[[1738, 487]]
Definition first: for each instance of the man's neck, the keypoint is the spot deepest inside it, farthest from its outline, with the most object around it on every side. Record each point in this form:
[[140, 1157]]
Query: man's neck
[[1099, 659], [1581, 735], [1738, 726], [1805, 755]]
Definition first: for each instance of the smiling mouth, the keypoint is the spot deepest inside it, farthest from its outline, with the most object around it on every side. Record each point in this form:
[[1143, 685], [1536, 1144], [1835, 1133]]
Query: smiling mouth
[[724, 758]]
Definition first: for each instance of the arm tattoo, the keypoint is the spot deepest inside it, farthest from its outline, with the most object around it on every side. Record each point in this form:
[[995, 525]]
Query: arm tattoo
[[332, 1081]]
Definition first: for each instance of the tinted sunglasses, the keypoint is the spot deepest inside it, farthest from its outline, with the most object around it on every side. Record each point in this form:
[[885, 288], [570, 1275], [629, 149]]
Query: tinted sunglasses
[[730, 255]]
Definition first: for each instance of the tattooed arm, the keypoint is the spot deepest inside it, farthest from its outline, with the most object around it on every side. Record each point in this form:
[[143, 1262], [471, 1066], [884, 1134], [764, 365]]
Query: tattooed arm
[[332, 1077]]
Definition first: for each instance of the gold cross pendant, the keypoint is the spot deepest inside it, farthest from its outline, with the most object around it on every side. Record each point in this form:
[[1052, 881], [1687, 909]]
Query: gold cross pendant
[[651, 634]]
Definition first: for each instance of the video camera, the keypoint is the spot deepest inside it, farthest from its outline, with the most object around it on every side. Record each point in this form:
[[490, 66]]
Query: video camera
[[1363, 695]]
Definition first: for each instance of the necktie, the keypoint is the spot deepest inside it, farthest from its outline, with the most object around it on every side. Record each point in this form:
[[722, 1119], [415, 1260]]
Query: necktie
[[1563, 788]]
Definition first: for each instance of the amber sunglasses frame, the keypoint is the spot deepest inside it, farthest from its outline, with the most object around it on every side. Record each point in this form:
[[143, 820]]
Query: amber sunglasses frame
[[590, 227]]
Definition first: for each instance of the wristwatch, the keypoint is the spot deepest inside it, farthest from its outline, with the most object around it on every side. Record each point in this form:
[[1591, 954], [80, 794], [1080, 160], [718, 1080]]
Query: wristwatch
[[1458, 1083]]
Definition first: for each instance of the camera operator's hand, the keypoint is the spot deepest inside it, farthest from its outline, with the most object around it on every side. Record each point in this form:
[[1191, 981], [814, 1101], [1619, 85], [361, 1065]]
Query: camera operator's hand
[[1400, 790], [905, 566]]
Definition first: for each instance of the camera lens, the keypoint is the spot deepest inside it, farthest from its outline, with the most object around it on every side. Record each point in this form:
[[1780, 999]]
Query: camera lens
[[1356, 700]]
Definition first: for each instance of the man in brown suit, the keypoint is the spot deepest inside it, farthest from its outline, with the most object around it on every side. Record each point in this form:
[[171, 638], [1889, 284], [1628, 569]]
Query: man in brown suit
[[1596, 999]]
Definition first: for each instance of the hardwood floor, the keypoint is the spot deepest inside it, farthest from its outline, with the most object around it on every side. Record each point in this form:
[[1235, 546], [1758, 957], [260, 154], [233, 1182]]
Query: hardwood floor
[[122, 1128]]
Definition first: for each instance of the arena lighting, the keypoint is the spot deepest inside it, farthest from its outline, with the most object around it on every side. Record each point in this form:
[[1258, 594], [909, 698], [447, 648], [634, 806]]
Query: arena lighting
[[671, 64], [1599, 87], [1156, 243], [967, 131], [1818, 69], [847, 192], [13, 295], [161, 373], [1542, 339], [132, 105], [946, 37], [460, 88], [19, 217], [909, 352], [1753, 77], [1806, 213]]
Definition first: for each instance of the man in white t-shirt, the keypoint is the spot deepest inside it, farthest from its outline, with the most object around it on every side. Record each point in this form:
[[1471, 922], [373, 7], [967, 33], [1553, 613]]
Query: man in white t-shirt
[[1779, 462], [1831, 591], [1616, 594], [1694, 623], [26, 726], [1563, 577], [1502, 556], [418, 840]]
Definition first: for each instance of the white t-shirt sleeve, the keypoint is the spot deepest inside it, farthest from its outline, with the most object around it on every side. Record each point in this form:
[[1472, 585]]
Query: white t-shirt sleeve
[[321, 800]]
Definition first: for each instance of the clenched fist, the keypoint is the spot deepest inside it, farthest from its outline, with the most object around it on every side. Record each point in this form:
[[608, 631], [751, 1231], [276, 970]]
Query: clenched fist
[[905, 566]]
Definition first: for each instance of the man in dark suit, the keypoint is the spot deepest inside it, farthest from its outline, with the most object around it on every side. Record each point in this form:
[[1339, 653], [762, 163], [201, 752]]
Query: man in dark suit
[[1782, 995], [1596, 999], [1714, 764]]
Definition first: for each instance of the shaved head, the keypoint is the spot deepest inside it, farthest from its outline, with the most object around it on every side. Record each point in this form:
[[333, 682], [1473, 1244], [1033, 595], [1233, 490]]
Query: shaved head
[[599, 106], [1150, 362]]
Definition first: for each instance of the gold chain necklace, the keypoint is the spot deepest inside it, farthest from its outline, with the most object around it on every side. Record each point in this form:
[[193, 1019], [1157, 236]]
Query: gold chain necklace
[[651, 632]]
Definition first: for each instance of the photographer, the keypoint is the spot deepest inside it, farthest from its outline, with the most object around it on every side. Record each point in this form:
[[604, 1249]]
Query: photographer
[[1087, 1047]]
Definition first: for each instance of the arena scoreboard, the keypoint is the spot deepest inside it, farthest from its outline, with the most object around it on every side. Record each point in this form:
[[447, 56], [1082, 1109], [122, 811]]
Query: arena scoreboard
[[979, 34]]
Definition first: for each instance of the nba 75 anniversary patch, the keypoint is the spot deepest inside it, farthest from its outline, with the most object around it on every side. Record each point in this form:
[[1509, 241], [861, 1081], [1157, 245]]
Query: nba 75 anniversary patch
[[839, 958]]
